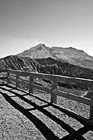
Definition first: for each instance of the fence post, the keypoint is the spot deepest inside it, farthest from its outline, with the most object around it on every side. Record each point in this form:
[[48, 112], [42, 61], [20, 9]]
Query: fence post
[[8, 77], [30, 86], [53, 96], [17, 77], [91, 105]]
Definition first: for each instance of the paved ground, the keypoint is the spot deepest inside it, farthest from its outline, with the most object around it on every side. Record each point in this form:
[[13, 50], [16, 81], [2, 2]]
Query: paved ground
[[32, 117]]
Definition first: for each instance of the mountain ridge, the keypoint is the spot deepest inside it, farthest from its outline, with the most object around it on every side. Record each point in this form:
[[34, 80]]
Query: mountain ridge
[[69, 54]]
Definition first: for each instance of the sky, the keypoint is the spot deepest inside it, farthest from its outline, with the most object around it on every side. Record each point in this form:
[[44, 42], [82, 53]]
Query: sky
[[62, 23]]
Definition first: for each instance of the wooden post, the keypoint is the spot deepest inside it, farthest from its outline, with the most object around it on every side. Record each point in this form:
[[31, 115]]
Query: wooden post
[[53, 96], [8, 77], [30, 86], [17, 77], [91, 106]]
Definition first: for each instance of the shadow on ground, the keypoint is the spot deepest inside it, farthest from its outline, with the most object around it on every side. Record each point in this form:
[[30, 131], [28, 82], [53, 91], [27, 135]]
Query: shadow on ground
[[47, 133]]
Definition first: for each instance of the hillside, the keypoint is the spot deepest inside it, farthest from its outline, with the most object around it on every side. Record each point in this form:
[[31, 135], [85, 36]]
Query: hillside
[[52, 66], [18, 63], [69, 55]]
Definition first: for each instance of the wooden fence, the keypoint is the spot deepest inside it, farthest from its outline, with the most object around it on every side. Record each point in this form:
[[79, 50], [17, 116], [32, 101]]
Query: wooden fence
[[31, 77]]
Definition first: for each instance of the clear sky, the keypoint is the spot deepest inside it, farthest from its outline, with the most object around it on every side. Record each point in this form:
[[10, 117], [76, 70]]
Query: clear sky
[[26, 23]]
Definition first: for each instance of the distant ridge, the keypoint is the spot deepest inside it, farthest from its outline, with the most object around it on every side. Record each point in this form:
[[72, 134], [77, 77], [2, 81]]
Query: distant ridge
[[18, 63], [70, 55]]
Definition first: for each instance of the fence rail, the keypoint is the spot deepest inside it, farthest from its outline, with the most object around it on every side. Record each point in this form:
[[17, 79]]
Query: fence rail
[[53, 89]]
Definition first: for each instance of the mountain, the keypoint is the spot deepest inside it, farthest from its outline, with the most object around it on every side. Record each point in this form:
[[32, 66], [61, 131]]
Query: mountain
[[57, 60], [69, 55]]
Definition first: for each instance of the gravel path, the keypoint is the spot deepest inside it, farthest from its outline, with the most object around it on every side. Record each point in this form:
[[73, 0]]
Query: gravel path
[[25, 117]]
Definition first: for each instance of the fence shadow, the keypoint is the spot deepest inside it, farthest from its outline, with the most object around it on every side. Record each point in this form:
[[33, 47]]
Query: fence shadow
[[48, 134]]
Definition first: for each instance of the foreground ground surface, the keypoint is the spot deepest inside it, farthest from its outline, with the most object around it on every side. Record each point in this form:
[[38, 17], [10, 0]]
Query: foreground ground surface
[[32, 117]]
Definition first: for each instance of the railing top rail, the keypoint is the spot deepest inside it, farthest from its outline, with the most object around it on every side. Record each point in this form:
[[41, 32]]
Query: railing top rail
[[66, 79]]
